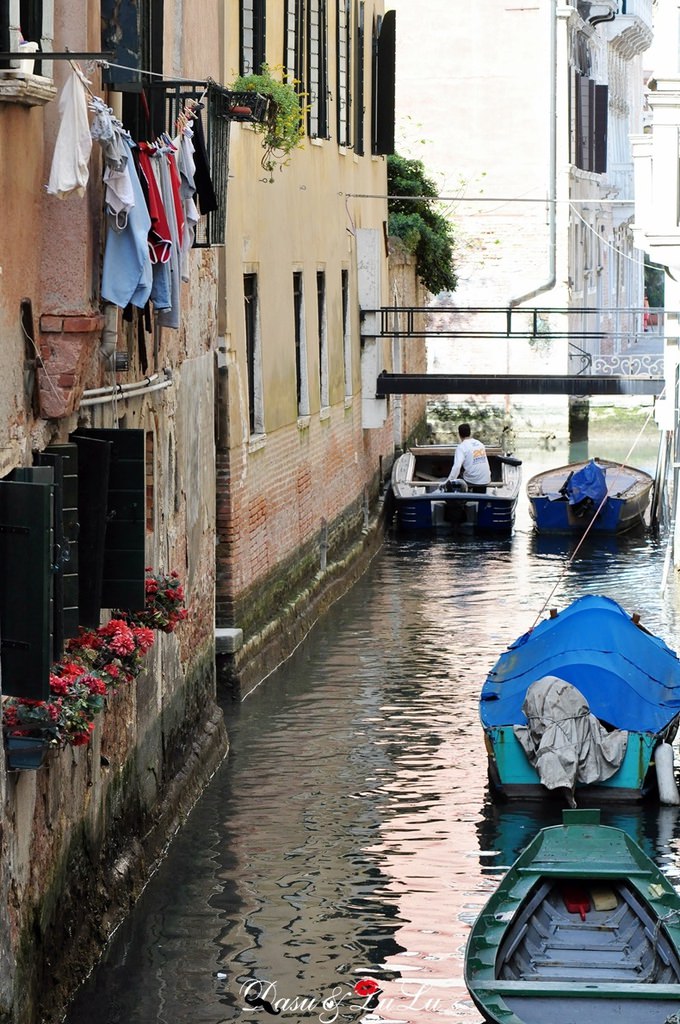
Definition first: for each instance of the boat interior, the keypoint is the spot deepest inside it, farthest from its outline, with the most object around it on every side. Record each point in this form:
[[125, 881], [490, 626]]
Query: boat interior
[[622, 481], [428, 468], [594, 950]]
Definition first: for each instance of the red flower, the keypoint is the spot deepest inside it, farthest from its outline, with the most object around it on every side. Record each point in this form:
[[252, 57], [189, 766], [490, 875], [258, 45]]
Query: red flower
[[366, 987]]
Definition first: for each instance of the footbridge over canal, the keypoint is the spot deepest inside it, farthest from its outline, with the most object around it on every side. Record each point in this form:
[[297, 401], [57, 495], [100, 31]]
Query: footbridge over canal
[[609, 351]]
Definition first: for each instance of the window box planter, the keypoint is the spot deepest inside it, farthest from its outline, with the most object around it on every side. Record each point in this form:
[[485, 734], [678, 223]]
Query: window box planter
[[247, 106], [25, 753]]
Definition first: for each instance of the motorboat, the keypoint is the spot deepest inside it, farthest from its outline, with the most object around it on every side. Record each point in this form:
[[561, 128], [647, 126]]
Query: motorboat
[[422, 499]]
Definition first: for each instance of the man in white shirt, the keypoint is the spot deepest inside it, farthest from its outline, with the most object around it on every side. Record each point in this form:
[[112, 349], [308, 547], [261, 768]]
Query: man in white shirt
[[470, 462]]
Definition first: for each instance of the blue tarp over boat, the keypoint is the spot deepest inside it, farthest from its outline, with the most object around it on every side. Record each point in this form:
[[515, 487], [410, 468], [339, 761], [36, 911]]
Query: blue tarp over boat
[[630, 678], [587, 483]]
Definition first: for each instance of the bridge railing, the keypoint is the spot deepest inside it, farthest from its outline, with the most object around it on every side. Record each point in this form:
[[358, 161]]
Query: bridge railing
[[617, 328]]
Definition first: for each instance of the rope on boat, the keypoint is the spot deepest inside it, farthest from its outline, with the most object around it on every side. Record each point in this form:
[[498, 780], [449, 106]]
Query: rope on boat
[[574, 553]]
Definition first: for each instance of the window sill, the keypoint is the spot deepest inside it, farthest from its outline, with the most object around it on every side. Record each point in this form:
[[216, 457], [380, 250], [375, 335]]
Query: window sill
[[349, 401], [303, 422], [28, 90], [325, 412], [256, 443]]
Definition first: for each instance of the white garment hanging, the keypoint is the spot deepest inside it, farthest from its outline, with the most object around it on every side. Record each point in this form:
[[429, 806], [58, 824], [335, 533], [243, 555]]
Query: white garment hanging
[[71, 158], [187, 168]]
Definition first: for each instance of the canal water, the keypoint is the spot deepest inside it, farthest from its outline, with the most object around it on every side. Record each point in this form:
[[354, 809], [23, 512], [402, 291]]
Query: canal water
[[349, 837]]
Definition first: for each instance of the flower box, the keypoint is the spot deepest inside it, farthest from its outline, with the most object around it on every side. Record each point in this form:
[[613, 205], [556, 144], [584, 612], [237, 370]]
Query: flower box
[[25, 753], [247, 106]]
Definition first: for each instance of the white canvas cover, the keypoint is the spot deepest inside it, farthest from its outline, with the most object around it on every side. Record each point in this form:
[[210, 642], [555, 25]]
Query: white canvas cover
[[563, 740]]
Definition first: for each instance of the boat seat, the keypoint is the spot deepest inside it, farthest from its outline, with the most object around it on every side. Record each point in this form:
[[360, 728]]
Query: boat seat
[[587, 871], [632, 989]]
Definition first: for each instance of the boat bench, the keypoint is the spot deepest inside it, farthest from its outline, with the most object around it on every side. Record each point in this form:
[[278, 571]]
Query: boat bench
[[586, 990], [587, 871]]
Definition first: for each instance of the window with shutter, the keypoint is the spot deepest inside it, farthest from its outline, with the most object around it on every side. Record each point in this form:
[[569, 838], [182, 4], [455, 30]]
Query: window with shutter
[[600, 133], [94, 456], [344, 72], [133, 31], [26, 511], [253, 36], [122, 551], [360, 38], [317, 68], [384, 85], [34, 19]]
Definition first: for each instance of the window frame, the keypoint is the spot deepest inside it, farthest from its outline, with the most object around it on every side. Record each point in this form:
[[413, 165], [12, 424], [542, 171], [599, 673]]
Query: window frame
[[32, 20], [301, 369], [253, 52], [294, 43], [346, 330], [344, 71], [322, 322], [317, 69], [253, 343]]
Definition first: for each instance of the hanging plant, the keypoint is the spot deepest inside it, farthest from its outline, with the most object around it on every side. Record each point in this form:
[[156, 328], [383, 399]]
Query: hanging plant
[[282, 127]]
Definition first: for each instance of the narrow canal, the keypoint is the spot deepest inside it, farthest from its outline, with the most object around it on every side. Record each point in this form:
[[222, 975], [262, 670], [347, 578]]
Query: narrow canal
[[350, 835]]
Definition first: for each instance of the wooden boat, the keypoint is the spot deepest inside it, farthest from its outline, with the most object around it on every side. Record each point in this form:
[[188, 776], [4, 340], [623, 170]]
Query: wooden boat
[[583, 927], [420, 502], [628, 679], [559, 505]]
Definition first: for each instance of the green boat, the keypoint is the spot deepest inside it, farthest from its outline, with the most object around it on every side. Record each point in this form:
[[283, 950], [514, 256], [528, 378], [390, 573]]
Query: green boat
[[583, 927]]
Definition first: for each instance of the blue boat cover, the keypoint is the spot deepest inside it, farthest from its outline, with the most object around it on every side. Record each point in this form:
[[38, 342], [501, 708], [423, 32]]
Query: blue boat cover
[[587, 482], [630, 678]]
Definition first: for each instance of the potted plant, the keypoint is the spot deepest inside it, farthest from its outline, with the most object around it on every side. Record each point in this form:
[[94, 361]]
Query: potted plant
[[282, 124], [30, 730]]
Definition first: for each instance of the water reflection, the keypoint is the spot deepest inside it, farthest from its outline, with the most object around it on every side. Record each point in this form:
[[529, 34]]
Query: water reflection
[[351, 834]]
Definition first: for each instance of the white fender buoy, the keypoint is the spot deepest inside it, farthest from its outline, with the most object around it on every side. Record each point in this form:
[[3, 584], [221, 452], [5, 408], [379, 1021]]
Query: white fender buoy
[[665, 775]]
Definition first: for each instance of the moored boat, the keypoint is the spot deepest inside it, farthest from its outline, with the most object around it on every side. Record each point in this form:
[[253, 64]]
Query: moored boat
[[578, 705], [607, 497], [583, 927], [421, 501]]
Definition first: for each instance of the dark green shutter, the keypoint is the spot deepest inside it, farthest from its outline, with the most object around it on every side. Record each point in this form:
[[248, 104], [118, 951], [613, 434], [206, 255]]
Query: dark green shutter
[[124, 547], [53, 465], [25, 588], [93, 488], [384, 98], [67, 562]]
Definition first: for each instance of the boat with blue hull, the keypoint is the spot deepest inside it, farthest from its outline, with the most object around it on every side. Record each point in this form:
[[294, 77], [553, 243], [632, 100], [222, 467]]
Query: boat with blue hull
[[421, 499], [598, 495], [583, 927], [585, 705]]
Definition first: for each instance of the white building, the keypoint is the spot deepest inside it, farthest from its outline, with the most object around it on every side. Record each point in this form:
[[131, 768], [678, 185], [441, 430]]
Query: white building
[[522, 112], [657, 214]]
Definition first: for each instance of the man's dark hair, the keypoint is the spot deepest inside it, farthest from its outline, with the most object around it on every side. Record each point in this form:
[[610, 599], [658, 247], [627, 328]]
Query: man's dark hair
[[464, 430]]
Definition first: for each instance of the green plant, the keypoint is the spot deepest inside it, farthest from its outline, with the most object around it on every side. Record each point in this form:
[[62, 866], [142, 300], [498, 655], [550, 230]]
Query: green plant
[[283, 127], [412, 218]]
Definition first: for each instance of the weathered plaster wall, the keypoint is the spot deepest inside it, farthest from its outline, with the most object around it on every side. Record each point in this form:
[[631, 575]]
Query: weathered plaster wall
[[79, 837]]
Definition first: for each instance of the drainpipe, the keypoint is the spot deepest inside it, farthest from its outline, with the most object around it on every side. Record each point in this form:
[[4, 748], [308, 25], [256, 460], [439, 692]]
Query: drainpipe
[[552, 170]]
